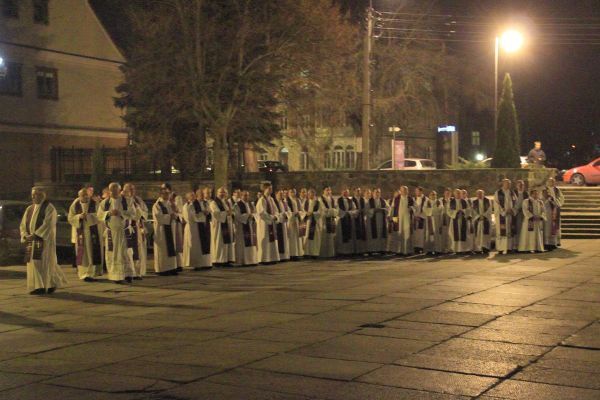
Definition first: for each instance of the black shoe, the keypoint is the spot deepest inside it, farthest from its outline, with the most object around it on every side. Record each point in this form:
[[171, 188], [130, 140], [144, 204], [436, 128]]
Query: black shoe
[[179, 269], [51, 290], [202, 268], [129, 279], [38, 291], [137, 278], [88, 279], [164, 273], [173, 272], [117, 282]]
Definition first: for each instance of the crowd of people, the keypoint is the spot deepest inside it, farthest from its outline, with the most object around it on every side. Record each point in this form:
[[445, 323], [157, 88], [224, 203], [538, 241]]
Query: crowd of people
[[200, 229]]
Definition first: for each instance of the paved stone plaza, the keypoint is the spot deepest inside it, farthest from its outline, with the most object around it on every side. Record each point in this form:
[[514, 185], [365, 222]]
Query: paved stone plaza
[[510, 327]]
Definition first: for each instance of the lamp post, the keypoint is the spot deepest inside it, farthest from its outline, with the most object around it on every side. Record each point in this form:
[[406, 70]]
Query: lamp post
[[3, 68], [366, 95], [510, 41], [393, 130]]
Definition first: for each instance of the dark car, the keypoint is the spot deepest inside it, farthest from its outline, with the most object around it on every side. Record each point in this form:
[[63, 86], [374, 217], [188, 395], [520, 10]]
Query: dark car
[[272, 166], [11, 213]]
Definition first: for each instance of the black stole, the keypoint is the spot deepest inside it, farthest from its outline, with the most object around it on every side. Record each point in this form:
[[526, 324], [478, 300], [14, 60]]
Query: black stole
[[203, 229], [329, 221], [360, 226], [420, 221], [270, 225], [108, 230], [279, 229], [313, 221], [249, 228], [459, 230], [94, 236], [530, 221], [225, 232], [168, 229], [513, 224], [346, 220], [374, 220], [483, 219], [35, 246]]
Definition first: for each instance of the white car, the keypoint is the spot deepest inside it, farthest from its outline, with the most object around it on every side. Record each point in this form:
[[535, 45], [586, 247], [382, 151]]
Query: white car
[[410, 163]]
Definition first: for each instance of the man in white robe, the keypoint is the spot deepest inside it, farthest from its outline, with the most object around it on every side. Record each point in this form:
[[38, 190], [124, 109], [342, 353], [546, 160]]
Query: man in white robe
[[196, 235], [403, 208], [532, 231], [312, 222], [555, 201], [329, 214], [164, 217], [136, 240], [222, 230], [433, 211], [504, 212], [445, 227], [482, 219], [294, 223], [457, 209], [346, 225], [521, 194], [115, 211], [244, 213], [470, 242], [376, 211], [360, 222], [418, 236], [88, 250], [266, 233], [38, 232], [281, 227], [177, 208]]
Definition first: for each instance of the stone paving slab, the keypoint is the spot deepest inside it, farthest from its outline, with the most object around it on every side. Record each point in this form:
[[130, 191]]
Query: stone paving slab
[[448, 328]]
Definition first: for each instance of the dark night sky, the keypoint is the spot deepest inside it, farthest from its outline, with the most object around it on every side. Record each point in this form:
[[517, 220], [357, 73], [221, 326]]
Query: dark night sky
[[556, 85]]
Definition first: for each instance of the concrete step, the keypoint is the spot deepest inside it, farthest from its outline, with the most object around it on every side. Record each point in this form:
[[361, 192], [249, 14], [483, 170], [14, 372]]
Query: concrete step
[[570, 225], [580, 236]]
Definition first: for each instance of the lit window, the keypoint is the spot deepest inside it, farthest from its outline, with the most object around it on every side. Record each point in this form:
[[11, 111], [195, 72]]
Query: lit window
[[475, 138], [284, 155], [47, 83], [40, 12], [263, 155]]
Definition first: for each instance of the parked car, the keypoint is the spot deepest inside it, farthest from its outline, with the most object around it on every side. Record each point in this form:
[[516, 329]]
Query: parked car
[[11, 213], [409, 164], [272, 166], [588, 174]]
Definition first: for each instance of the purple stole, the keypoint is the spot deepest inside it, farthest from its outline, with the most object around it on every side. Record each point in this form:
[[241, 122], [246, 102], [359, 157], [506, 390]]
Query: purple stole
[[459, 232], [108, 230], [409, 205], [168, 229], [483, 220], [374, 220], [203, 229], [35, 246], [94, 236], [290, 204], [329, 221], [270, 225], [346, 221], [249, 228], [313, 221], [225, 232], [360, 226], [513, 227]]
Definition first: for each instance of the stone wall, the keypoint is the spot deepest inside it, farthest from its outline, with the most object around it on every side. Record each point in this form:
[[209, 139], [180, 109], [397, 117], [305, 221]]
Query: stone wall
[[470, 179]]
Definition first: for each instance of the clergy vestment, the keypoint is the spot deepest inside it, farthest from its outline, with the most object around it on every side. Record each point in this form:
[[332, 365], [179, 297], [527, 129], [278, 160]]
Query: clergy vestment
[[402, 225], [376, 225], [138, 238], [165, 249], [281, 229], [418, 236], [506, 223], [482, 220], [222, 247], [43, 271], [360, 225], [328, 229], [346, 227], [445, 226], [294, 223], [177, 207], [246, 252], [88, 249], [117, 259], [552, 228], [312, 230], [266, 235], [520, 196], [432, 211], [196, 235], [470, 226], [459, 225], [532, 231]]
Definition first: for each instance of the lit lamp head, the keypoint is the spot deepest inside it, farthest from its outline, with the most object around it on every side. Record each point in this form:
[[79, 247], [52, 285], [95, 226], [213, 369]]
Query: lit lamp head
[[479, 157], [511, 41]]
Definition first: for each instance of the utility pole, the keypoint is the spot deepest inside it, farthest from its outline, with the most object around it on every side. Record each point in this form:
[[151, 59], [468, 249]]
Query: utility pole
[[366, 95]]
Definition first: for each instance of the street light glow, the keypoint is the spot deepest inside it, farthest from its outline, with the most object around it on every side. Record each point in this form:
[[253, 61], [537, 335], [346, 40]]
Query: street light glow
[[511, 41], [1, 61], [479, 157]]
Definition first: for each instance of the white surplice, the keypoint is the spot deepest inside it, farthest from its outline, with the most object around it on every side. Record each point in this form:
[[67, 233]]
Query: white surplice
[[552, 228], [329, 213], [296, 245], [313, 218], [42, 273], [141, 216], [266, 233], [86, 268], [532, 231], [222, 247], [165, 252], [402, 209], [246, 252], [196, 251], [433, 211], [504, 210], [418, 235], [346, 227], [482, 220], [376, 211], [459, 225], [117, 259]]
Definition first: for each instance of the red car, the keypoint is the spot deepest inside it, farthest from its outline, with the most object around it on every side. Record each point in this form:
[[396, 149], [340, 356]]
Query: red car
[[585, 175]]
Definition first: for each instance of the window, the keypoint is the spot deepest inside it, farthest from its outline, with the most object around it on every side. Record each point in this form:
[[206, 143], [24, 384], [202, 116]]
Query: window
[[475, 138], [12, 83], [47, 83], [410, 163], [10, 8], [339, 156], [284, 155], [40, 12], [262, 155], [210, 158], [328, 158], [304, 159], [350, 157]]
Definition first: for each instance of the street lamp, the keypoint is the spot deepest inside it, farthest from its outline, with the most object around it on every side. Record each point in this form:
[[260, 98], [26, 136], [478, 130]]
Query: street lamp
[[511, 41], [393, 130], [3, 68]]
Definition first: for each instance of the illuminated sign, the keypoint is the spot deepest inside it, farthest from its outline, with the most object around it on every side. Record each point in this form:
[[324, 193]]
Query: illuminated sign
[[447, 128]]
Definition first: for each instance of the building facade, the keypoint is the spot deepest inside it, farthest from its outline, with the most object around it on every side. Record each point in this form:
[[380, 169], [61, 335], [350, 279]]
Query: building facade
[[61, 72]]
